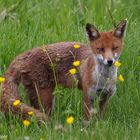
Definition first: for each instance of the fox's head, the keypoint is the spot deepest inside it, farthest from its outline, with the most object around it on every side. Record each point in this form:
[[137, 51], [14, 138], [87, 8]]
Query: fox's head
[[106, 46]]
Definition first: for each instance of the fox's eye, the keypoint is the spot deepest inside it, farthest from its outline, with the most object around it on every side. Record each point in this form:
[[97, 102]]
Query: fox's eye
[[114, 48], [100, 49]]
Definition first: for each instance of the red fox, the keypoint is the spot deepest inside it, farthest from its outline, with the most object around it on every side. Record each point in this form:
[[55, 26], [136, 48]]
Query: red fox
[[40, 69]]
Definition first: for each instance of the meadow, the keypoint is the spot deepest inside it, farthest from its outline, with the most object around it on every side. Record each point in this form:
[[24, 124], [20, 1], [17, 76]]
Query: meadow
[[37, 22]]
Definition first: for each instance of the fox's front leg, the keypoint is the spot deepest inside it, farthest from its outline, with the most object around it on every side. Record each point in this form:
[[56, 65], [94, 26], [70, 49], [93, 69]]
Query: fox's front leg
[[88, 105], [103, 102], [104, 99]]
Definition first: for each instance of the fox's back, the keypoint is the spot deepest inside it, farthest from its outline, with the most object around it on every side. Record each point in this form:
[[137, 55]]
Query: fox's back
[[64, 54], [43, 63]]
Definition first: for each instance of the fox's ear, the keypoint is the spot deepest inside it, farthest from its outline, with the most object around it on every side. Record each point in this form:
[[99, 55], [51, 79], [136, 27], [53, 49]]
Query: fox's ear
[[92, 32], [120, 29]]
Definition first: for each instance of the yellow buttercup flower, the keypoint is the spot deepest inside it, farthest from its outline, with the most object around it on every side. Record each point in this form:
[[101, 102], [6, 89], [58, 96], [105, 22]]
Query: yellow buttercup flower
[[72, 71], [76, 46], [41, 138], [26, 123], [117, 64], [16, 102], [30, 113], [70, 120], [2, 79], [121, 78], [76, 63]]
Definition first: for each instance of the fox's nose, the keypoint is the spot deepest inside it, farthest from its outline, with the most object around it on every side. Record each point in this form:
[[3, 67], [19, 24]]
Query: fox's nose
[[110, 62]]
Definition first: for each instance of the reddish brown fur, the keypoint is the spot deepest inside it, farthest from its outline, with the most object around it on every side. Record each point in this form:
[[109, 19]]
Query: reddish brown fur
[[33, 69], [107, 41], [39, 69]]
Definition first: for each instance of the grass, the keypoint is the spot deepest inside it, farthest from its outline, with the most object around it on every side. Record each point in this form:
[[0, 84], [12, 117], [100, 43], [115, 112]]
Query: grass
[[39, 22]]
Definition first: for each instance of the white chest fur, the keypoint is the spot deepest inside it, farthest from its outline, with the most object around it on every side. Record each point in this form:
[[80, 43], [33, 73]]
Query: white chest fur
[[104, 78]]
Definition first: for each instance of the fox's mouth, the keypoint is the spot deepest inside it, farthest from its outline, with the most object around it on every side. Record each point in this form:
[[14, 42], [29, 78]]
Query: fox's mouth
[[109, 65]]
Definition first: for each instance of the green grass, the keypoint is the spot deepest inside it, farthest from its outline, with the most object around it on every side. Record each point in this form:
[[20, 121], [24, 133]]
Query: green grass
[[39, 22]]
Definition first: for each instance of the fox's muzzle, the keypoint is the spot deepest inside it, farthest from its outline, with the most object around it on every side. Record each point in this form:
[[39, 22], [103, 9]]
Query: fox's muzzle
[[110, 62]]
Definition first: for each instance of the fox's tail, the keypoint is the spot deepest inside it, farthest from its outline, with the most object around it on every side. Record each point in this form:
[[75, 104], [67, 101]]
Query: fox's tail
[[9, 95]]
